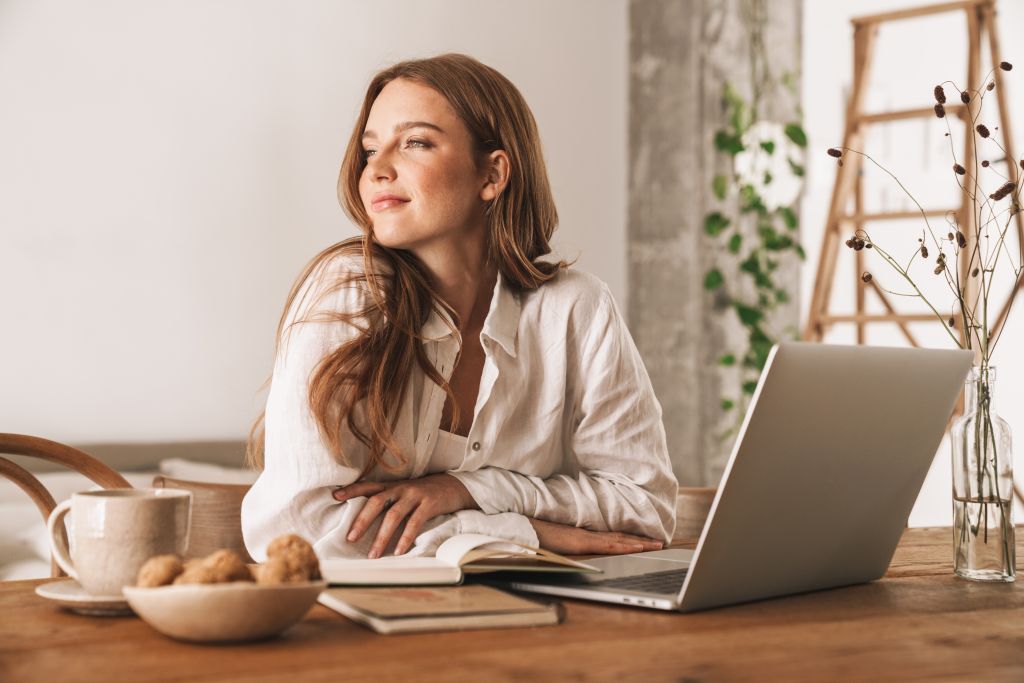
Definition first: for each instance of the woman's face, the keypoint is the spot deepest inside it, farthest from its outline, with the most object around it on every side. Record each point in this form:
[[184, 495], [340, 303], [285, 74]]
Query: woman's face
[[420, 153]]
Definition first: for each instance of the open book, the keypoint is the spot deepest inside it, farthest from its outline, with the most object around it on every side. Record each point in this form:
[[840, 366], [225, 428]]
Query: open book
[[464, 553], [414, 609]]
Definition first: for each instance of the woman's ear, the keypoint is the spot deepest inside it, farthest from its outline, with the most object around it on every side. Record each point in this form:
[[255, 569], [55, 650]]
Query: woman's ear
[[496, 177]]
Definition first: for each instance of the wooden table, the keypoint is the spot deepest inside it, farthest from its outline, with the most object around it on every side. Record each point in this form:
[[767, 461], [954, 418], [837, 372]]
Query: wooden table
[[918, 623]]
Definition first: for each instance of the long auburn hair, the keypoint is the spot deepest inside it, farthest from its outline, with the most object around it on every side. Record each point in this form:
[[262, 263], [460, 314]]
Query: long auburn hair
[[363, 381]]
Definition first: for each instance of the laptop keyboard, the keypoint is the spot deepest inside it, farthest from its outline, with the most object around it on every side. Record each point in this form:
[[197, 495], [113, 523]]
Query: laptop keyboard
[[659, 582]]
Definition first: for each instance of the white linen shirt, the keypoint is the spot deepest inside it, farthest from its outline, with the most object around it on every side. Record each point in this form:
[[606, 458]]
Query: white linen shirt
[[566, 426]]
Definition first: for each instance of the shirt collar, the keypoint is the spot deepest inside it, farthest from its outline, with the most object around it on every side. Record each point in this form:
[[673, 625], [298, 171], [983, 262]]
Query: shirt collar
[[501, 323]]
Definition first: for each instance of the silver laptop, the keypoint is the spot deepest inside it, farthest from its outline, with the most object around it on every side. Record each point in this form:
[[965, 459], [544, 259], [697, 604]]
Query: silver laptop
[[827, 465]]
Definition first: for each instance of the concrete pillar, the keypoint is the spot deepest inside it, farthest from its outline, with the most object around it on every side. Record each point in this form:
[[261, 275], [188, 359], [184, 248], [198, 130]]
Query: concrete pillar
[[681, 54]]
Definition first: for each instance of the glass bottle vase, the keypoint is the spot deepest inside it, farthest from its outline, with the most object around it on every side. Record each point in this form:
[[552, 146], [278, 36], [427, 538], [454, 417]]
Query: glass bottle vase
[[983, 534]]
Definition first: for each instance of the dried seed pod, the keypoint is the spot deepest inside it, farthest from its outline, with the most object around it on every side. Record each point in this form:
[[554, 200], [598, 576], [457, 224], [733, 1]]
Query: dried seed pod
[[868, 245], [1005, 66], [840, 162], [984, 164], [849, 243], [940, 95], [990, 87], [961, 240], [974, 273], [949, 236], [858, 244], [965, 98], [982, 130], [866, 276], [959, 170], [835, 152], [940, 111], [924, 251], [1006, 189], [951, 321], [939, 268]]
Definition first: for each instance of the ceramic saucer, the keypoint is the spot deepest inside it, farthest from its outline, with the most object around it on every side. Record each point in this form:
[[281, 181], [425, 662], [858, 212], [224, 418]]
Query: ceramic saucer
[[70, 595]]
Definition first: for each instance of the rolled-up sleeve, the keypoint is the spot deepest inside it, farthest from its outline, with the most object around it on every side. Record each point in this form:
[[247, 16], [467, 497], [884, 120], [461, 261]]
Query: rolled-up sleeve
[[623, 479]]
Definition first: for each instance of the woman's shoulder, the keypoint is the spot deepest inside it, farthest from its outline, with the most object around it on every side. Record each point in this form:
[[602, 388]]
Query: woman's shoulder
[[332, 281], [342, 260], [571, 291]]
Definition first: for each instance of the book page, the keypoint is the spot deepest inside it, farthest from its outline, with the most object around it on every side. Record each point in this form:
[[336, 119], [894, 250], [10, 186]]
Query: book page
[[454, 549], [426, 601], [464, 549]]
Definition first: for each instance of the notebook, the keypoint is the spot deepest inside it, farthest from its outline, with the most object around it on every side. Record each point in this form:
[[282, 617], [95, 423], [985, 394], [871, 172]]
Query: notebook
[[428, 608]]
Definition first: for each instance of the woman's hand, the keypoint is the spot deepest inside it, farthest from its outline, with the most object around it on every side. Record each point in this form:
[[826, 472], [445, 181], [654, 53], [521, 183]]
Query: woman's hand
[[570, 540], [418, 499]]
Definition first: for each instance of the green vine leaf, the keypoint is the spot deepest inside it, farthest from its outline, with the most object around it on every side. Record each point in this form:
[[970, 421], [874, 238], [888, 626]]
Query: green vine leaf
[[727, 404], [725, 142], [748, 314], [750, 200], [735, 242], [727, 360], [795, 132], [713, 280], [797, 169], [789, 217], [749, 388], [715, 223], [720, 186], [768, 146]]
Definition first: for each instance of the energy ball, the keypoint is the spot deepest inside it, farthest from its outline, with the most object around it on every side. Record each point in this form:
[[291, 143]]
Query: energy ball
[[298, 555], [196, 572], [275, 571], [222, 566], [227, 566], [159, 570]]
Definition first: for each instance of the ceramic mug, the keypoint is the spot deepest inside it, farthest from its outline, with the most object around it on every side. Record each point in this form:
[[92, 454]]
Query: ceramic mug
[[115, 531]]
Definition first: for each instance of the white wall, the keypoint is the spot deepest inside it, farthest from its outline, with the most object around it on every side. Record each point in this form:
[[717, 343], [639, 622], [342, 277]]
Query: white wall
[[911, 58], [166, 168]]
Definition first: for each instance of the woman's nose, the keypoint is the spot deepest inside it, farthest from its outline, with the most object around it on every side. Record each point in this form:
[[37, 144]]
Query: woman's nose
[[380, 166]]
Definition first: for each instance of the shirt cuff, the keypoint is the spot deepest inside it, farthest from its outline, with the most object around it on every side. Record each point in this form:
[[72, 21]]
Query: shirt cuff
[[491, 489]]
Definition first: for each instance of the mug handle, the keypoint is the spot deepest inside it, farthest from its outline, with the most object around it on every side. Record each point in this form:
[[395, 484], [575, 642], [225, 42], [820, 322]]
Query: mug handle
[[57, 544]]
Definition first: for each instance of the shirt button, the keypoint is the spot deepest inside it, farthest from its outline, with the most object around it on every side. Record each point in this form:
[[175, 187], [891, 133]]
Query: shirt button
[[476, 445]]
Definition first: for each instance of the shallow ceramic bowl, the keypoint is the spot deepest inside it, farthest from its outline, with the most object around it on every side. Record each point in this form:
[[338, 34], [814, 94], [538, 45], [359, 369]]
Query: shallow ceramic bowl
[[224, 612]]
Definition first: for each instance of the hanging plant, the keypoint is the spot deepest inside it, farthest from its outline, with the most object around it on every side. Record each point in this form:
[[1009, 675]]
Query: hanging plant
[[762, 188]]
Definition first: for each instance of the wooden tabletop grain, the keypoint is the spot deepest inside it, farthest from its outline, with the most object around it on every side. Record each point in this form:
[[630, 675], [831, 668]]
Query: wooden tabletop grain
[[918, 623]]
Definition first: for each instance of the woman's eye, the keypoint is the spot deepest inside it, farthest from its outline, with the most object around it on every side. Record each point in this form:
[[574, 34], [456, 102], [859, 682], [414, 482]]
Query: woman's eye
[[421, 143]]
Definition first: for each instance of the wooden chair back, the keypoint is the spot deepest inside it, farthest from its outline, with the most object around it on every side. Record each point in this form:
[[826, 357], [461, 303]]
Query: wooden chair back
[[692, 507], [216, 515], [44, 449]]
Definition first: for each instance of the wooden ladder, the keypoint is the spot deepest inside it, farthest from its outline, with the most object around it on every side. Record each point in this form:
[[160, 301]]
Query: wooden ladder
[[981, 17]]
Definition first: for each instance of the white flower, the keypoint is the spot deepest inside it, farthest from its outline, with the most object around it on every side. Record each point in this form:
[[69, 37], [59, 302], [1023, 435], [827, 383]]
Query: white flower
[[769, 173]]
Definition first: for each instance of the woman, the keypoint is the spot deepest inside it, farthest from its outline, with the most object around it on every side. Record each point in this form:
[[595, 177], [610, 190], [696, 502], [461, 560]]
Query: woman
[[433, 376]]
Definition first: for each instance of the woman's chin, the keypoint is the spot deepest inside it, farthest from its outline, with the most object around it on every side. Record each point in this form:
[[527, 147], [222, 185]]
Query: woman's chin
[[401, 239], [391, 241]]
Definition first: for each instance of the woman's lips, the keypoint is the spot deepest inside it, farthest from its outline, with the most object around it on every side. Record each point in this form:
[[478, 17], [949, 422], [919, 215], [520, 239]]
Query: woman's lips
[[385, 204]]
